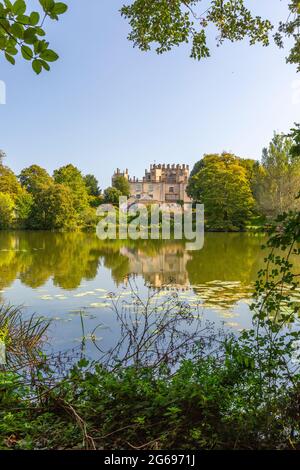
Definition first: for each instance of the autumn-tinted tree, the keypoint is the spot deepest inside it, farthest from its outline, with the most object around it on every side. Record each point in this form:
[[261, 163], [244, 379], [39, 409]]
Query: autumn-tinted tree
[[222, 185]]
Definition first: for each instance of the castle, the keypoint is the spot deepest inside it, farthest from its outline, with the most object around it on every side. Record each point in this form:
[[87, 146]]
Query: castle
[[161, 184]]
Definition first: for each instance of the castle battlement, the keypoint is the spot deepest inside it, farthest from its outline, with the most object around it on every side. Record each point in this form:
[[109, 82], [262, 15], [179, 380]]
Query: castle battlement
[[161, 183]]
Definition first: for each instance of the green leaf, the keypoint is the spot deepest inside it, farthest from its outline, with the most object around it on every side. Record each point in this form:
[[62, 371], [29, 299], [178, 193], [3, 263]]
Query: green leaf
[[10, 58], [59, 8], [37, 66], [3, 41], [11, 49], [24, 19], [40, 32], [40, 46], [8, 5], [34, 18], [19, 7], [26, 52], [17, 30], [49, 55], [45, 65], [30, 36], [47, 4]]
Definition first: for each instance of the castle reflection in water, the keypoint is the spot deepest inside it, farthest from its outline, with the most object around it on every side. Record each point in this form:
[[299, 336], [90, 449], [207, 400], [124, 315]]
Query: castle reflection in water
[[223, 271], [166, 268]]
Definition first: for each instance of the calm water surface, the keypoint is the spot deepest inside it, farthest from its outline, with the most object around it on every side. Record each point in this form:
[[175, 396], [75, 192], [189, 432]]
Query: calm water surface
[[61, 275]]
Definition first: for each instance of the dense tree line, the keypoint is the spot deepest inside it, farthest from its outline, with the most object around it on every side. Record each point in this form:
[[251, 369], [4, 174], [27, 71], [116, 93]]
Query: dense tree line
[[236, 191], [35, 200]]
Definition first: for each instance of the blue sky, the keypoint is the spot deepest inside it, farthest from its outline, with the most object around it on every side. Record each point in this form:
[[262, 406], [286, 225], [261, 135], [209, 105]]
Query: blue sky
[[106, 105]]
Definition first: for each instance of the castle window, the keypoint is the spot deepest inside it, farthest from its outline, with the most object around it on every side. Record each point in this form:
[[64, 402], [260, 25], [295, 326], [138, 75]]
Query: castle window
[[171, 189]]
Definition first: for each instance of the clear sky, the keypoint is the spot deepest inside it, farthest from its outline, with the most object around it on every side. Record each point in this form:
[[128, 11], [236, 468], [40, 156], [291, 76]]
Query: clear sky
[[106, 105]]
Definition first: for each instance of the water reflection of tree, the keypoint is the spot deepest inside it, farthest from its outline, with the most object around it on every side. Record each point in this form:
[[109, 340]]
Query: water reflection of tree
[[67, 258], [71, 258], [227, 257]]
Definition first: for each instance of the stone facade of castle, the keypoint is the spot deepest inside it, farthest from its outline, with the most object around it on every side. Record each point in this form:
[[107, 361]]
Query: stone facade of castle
[[161, 184]]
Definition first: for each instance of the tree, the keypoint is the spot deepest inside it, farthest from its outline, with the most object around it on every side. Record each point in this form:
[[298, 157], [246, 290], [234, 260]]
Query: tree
[[193, 186], [23, 208], [295, 136], [33, 177], [53, 209], [22, 32], [222, 185], [166, 24], [279, 184], [6, 210], [92, 185], [8, 182], [112, 195], [122, 184], [71, 177], [2, 156]]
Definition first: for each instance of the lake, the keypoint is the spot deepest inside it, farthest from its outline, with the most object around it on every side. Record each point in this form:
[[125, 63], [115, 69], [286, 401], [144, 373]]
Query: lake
[[68, 277]]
